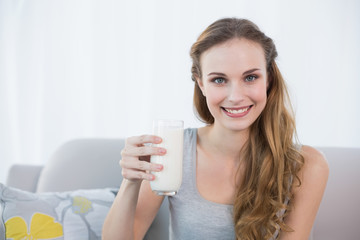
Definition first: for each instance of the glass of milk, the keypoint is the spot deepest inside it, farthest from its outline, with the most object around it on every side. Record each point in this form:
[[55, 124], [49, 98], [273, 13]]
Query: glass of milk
[[167, 182]]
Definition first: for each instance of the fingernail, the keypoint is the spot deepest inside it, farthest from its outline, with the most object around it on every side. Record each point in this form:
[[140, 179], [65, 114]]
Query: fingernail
[[159, 167], [162, 150], [157, 139]]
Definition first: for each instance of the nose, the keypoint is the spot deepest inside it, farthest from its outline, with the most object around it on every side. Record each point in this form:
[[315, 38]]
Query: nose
[[236, 93]]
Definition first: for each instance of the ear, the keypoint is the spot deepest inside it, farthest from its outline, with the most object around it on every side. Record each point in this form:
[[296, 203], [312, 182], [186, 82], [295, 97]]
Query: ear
[[201, 85]]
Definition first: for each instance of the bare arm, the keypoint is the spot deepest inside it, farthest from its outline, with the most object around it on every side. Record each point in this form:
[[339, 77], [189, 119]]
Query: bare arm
[[308, 196], [135, 206], [148, 205]]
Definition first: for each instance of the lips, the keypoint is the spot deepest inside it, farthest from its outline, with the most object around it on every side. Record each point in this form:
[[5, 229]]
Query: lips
[[237, 112]]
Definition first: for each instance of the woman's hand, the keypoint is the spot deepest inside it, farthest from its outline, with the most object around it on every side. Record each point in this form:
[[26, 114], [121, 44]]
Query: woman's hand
[[135, 161], [130, 215]]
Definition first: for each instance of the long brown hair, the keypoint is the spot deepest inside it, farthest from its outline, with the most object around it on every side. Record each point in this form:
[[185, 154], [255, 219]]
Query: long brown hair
[[271, 158]]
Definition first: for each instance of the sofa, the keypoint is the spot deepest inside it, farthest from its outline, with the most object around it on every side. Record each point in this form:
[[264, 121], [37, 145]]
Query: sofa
[[93, 164]]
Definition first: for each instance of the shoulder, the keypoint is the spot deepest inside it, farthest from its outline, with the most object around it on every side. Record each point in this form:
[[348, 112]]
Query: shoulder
[[190, 130], [307, 195], [190, 134], [314, 161], [314, 170]]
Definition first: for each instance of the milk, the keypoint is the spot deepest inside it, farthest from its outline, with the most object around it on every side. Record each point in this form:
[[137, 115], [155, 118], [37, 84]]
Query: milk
[[168, 181]]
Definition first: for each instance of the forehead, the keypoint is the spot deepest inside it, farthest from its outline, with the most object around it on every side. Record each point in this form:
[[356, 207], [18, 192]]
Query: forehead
[[235, 54]]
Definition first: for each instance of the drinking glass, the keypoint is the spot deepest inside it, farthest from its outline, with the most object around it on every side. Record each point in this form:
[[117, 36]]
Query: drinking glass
[[167, 182]]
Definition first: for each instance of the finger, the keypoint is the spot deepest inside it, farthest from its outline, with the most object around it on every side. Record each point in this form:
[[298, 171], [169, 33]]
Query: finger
[[140, 140], [142, 151], [137, 175], [141, 165]]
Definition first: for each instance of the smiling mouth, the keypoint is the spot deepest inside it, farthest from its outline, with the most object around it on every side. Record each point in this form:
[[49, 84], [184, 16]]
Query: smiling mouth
[[237, 110]]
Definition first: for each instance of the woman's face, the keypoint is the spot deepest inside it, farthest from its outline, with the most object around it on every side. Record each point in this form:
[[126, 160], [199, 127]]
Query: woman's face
[[234, 82]]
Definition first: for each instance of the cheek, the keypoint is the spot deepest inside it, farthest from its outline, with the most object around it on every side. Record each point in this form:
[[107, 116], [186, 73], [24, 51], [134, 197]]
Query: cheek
[[259, 95], [214, 96], [262, 89]]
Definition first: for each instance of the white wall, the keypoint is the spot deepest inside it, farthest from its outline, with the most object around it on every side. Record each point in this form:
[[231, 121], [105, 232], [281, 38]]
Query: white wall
[[74, 68]]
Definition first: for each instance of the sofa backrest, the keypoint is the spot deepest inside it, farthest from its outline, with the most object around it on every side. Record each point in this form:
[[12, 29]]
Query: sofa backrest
[[339, 213], [83, 164], [24, 177]]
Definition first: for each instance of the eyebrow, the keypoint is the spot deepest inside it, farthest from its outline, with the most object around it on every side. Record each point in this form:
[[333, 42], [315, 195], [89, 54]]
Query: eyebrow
[[250, 71], [245, 73]]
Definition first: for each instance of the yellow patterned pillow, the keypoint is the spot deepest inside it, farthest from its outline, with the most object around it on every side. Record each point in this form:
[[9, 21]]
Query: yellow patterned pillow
[[42, 226], [68, 215]]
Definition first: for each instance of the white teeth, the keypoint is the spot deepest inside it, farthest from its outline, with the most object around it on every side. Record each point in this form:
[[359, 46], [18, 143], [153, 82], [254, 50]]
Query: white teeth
[[237, 111]]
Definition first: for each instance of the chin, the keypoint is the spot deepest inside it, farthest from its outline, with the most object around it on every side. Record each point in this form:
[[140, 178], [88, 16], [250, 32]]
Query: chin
[[236, 127]]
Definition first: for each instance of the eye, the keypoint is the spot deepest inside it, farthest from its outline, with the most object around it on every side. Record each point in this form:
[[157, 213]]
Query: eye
[[218, 80], [250, 78]]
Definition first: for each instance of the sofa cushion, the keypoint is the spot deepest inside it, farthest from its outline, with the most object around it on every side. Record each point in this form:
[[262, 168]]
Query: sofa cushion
[[54, 215]]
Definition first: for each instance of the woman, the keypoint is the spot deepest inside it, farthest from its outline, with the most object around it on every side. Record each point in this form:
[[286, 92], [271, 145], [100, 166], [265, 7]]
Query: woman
[[244, 177]]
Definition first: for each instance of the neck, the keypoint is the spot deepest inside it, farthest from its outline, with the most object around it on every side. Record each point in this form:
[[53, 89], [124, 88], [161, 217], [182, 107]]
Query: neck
[[226, 142]]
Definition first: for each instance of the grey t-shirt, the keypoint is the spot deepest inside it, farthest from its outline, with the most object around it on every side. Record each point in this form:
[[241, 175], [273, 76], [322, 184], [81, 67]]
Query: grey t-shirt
[[192, 216]]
